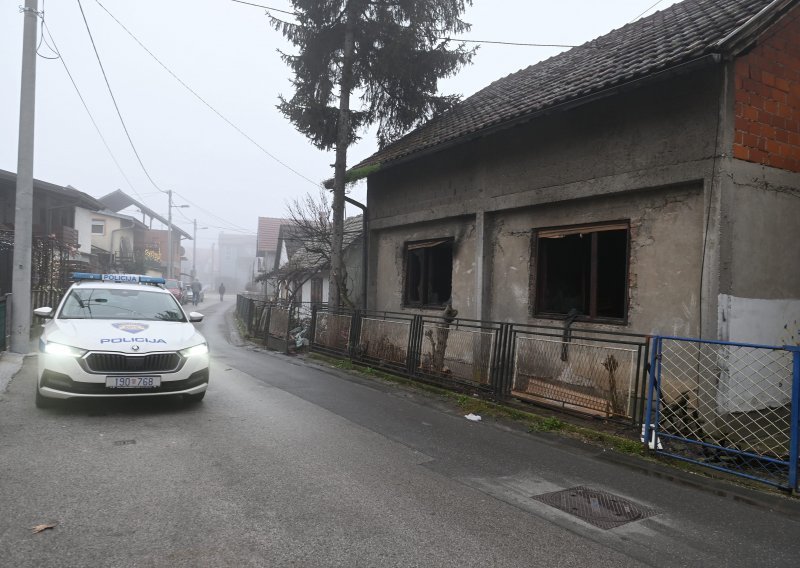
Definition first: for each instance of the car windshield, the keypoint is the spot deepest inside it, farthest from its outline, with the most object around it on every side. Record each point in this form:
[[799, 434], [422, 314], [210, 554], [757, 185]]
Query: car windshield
[[172, 284], [105, 303]]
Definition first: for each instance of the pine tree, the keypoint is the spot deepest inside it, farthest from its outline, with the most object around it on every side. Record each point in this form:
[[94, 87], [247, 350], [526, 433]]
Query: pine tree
[[389, 55]]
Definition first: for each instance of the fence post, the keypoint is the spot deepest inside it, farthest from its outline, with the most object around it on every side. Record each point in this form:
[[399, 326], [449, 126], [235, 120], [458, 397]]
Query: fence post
[[794, 438], [312, 327], [268, 307], [649, 424], [414, 345], [355, 333], [504, 364]]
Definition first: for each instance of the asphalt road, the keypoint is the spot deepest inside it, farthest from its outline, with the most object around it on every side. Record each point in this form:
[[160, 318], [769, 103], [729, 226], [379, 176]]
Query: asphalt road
[[287, 463]]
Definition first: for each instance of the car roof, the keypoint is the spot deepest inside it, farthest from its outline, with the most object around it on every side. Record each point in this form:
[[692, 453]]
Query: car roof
[[97, 285]]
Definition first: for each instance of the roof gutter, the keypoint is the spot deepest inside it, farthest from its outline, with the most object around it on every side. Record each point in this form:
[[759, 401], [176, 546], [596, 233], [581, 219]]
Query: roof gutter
[[739, 39], [703, 61]]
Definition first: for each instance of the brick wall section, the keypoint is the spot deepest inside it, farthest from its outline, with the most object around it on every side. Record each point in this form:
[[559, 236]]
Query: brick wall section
[[767, 128]]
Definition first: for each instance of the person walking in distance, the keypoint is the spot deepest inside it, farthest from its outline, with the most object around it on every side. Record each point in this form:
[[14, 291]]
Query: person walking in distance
[[196, 288], [221, 291]]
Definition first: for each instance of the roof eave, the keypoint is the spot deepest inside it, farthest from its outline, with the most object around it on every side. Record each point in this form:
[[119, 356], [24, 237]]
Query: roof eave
[[705, 60], [742, 37]]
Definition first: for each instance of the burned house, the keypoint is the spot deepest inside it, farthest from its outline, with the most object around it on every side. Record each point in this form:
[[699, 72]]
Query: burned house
[[646, 182]]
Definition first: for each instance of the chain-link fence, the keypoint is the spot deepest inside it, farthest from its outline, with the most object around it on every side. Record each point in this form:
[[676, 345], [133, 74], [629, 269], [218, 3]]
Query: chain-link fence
[[729, 406]]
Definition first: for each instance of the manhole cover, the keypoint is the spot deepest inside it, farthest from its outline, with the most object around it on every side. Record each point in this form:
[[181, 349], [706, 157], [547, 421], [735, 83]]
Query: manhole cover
[[599, 508]]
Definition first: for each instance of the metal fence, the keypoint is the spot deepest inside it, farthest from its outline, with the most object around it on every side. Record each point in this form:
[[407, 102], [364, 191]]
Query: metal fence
[[595, 372], [599, 373], [733, 407], [278, 325]]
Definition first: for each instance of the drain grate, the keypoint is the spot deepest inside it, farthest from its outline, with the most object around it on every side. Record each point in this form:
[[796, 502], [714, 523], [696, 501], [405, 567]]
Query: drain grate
[[602, 509]]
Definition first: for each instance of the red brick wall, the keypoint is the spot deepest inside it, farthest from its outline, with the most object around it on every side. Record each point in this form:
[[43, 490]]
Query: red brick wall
[[768, 98]]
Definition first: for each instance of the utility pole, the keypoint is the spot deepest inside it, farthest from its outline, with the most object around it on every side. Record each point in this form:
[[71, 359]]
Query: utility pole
[[169, 236], [23, 207], [194, 252], [213, 274]]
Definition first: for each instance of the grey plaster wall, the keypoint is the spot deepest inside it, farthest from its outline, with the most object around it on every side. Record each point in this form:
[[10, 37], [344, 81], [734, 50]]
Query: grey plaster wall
[[648, 138], [644, 156], [665, 255], [761, 232], [387, 250]]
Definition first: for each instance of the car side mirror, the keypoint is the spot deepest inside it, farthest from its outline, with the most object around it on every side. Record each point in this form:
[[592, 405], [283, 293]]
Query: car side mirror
[[195, 317], [46, 313]]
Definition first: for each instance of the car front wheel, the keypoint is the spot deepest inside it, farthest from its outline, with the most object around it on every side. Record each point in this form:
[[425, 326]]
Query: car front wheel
[[43, 401]]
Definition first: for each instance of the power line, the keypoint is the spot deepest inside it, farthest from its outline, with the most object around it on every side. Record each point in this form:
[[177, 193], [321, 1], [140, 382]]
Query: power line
[[509, 42], [265, 7], [643, 13], [41, 39], [225, 221], [60, 57], [202, 100], [439, 38], [119, 114]]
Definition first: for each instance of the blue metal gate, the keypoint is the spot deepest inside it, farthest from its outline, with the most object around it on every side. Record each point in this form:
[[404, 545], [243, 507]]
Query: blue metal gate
[[733, 407]]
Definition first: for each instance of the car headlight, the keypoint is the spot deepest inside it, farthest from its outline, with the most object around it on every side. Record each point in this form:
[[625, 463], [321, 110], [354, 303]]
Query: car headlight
[[200, 349], [64, 350]]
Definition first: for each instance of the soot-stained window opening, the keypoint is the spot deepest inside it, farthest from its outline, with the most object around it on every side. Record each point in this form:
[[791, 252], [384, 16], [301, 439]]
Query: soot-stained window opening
[[429, 272], [582, 270]]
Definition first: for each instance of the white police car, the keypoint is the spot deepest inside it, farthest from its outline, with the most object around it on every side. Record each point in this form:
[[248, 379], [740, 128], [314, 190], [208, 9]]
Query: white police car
[[120, 335]]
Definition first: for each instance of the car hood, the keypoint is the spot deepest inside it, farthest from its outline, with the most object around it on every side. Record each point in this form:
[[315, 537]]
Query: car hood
[[123, 335]]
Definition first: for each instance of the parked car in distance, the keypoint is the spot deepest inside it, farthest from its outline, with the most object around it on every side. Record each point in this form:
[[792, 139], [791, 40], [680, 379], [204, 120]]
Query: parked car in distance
[[176, 287]]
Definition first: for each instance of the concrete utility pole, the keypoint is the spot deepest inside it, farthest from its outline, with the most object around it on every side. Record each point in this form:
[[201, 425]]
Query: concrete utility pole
[[23, 208], [169, 236], [194, 250]]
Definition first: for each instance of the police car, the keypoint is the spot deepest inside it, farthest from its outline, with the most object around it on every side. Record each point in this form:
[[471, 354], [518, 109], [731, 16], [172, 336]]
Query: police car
[[120, 335]]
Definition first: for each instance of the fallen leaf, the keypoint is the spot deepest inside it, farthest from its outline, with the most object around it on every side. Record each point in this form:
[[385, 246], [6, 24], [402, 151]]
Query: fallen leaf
[[40, 528]]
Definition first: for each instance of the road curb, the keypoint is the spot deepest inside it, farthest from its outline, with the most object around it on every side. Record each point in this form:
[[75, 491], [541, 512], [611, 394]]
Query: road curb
[[10, 365], [773, 502]]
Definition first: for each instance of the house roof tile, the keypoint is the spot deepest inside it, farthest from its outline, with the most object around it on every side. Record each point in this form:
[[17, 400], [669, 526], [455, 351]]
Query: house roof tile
[[268, 229], [676, 35]]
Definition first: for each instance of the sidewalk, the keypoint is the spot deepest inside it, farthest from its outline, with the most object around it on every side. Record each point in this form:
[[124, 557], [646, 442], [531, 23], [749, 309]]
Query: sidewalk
[[10, 364]]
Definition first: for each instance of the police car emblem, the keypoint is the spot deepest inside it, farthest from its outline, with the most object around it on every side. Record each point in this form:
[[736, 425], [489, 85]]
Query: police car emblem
[[134, 348], [131, 327]]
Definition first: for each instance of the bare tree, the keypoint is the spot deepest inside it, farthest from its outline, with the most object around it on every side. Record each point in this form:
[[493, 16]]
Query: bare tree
[[312, 233]]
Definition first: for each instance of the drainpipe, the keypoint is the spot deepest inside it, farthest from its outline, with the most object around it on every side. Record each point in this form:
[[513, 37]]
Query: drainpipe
[[364, 252]]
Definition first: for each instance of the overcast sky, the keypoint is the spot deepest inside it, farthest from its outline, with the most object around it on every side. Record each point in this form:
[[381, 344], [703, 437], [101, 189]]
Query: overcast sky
[[226, 53]]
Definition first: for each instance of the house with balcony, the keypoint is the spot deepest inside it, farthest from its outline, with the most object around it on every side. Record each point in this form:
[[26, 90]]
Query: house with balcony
[[61, 232], [145, 247], [120, 244]]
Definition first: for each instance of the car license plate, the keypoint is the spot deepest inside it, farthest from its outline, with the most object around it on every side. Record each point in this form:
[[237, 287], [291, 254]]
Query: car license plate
[[133, 382]]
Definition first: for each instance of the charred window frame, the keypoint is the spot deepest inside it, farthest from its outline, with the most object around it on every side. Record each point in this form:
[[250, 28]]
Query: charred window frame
[[428, 273], [582, 271]]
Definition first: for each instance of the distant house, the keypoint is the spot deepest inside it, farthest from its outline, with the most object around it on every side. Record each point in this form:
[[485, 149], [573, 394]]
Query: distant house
[[237, 262], [267, 248], [647, 181], [61, 232], [302, 265], [121, 244], [150, 246]]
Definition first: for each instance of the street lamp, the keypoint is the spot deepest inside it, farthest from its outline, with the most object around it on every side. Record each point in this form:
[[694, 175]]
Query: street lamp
[[169, 233], [194, 250]]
